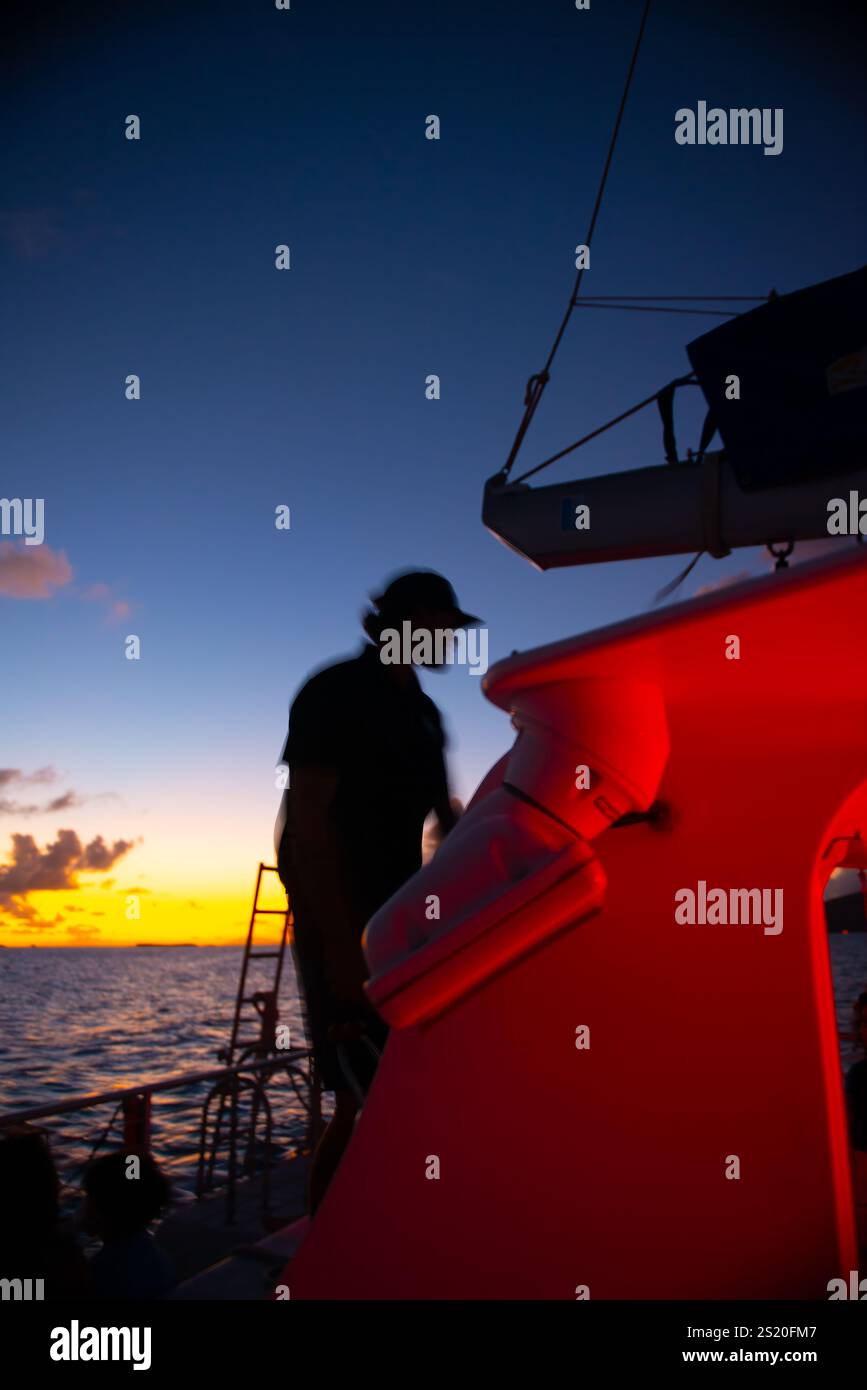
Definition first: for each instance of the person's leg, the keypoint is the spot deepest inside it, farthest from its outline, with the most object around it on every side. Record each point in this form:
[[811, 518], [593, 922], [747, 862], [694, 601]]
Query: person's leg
[[331, 1147], [317, 1012]]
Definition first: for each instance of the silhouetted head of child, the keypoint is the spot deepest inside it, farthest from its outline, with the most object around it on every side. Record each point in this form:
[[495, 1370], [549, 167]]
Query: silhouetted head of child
[[28, 1183], [124, 1193]]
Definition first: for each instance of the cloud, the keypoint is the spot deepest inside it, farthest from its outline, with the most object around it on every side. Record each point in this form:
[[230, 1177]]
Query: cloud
[[116, 609], [842, 882], [14, 777], [803, 552], [37, 571], [99, 856], [725, 582], [30, 779], [83, 936], [813, 550], [65, 802], [54, 868], [32, 571]]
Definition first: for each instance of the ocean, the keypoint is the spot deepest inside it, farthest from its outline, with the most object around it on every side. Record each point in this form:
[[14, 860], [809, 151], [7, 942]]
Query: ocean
[[75, 1021], [78, 1021]]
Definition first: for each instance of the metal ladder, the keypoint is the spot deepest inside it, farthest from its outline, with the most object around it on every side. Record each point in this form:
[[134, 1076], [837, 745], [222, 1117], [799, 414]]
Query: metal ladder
[[264, 1002], [245, 1047]]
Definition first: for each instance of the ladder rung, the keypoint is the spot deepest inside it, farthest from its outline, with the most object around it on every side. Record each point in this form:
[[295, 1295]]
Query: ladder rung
[[272, 911], [264, 955]]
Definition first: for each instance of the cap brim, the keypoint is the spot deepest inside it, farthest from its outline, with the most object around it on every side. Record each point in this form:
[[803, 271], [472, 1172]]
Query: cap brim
[[464, 619]]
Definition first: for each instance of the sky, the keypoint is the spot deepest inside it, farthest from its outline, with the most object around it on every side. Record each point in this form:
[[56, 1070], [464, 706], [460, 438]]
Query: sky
[[154, 780]]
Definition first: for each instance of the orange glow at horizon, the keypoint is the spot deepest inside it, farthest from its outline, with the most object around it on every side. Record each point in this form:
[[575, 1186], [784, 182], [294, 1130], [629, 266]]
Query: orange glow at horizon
[[95, 915]]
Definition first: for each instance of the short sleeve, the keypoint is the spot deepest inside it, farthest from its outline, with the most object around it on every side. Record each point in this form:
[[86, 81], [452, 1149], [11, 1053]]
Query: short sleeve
[[316, 725]]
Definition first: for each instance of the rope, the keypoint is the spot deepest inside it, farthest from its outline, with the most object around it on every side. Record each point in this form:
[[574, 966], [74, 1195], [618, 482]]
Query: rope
[[537, 383], [668, 589], [697, 298], [633, 410], [657, 309]]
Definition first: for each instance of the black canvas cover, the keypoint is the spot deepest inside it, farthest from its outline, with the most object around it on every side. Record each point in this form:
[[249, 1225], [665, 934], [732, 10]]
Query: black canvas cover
[[801, 364]]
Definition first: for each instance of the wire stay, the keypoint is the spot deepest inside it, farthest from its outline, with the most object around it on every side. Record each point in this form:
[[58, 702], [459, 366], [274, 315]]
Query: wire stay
[[537, 383]]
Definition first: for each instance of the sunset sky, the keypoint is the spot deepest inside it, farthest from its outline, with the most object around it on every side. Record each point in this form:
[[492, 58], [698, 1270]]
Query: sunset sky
[[306, 387]]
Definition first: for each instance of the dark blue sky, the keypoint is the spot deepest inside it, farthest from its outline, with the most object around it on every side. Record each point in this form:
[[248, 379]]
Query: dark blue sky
[[409, 257]]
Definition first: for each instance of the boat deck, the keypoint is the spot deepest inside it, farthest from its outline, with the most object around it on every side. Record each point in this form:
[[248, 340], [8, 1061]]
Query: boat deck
[[197, 1236]]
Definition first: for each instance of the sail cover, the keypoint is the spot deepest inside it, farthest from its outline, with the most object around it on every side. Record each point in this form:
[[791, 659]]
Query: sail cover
[[801, 365]]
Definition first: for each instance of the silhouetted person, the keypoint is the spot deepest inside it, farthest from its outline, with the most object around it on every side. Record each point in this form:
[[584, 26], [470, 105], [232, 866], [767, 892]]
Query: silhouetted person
[[118, 1209], [366, 767], [33, 1243], [856, 1081]]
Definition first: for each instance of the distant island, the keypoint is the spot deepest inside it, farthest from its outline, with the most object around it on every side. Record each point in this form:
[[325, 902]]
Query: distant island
[[162, 945]]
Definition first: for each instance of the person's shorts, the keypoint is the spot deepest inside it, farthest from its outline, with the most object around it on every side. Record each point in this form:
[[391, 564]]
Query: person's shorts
[[355, 1059]]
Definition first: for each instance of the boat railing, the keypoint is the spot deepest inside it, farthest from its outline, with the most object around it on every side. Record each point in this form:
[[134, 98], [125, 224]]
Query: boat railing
[[133, 1107]]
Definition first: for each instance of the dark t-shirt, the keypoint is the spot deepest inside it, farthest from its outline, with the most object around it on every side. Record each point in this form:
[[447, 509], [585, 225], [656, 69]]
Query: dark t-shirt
[[385, 741]]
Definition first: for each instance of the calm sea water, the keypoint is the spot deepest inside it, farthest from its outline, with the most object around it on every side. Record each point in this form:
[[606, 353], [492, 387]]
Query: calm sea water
[[88, 1020], [78, 1021]]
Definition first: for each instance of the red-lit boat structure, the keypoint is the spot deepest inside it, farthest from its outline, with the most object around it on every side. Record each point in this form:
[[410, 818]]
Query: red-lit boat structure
[[688, 1132], [704, 1043]]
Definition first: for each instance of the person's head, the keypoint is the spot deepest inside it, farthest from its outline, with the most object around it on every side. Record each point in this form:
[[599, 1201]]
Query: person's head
[[29, 1185], [860, 1010], [124, 1193], [425, 600]]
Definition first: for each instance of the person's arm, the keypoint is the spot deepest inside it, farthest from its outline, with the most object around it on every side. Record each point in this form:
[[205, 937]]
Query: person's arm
[[447, 816], [321, 856], [446, 810]]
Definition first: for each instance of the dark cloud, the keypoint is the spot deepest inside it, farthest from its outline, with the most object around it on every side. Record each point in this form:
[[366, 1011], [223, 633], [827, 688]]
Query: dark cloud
[[100, 856], [65, 802], [14, 777], [52, 869]]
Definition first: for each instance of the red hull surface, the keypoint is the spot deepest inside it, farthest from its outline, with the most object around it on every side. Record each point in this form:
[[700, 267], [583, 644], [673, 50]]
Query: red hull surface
[[608, 1170]]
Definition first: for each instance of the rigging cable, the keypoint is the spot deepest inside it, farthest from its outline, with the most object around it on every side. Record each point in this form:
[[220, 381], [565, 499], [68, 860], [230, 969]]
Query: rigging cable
[[658, 309], [633, 410], [537, 383], [698, 298]]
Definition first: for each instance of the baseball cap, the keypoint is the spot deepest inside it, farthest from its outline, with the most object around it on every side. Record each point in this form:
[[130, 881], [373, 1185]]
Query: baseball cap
[[422, 589]]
